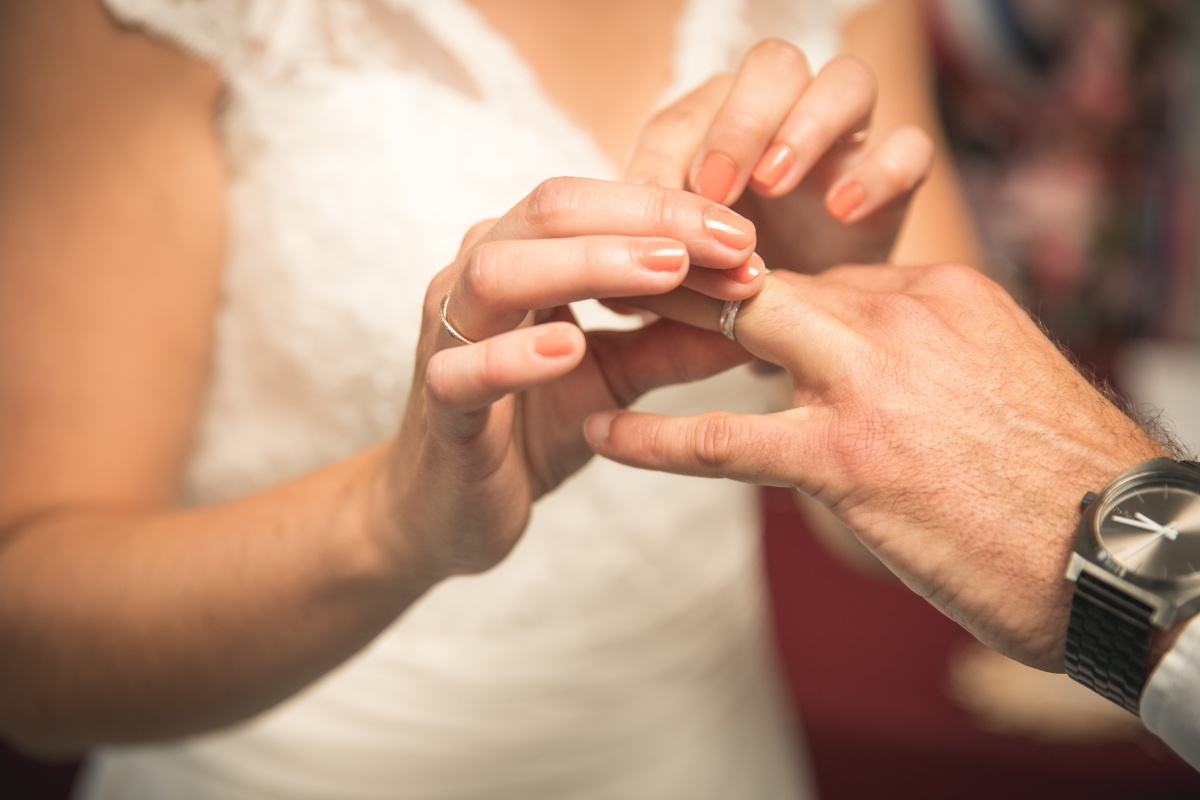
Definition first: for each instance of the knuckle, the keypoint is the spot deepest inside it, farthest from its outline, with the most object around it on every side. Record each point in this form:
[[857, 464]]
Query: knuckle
[[778, 54], [437, 380], [551, 201], [655, 164], [663, 208], [433, 298], [674, 118], [914, 151], [917, 140], [816, 123], [436, 289], [491, 367], [913, 309], [905, 160], [710, 93], [741, 121], [855, 72], [896, 171], [475, 233], [961, 280], [480, 274], [598, 256], [714, 439], [916, 315]]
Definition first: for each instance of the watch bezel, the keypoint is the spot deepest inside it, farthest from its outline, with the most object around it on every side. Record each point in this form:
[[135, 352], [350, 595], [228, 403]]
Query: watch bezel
[[1172, 598]]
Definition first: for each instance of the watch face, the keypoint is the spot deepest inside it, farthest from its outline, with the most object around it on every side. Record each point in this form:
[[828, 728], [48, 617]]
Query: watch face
[[1152, 528]]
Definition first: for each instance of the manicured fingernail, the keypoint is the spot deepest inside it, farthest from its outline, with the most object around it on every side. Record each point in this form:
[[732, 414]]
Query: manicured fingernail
[[748, 272], [555, 343], [846, 199], [715, 177], [775, 164], [596, 427], [659, 257], [728, 228]]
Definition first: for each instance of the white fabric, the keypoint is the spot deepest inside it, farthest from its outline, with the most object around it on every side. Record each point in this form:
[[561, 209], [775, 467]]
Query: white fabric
[[1171, 700], [620, 651]]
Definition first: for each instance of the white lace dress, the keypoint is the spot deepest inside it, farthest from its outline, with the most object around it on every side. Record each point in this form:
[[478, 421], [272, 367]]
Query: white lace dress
[[621, 651]]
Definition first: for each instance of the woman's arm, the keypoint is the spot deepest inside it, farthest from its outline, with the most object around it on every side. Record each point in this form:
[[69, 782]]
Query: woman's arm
[[888, 36], [121, 617]]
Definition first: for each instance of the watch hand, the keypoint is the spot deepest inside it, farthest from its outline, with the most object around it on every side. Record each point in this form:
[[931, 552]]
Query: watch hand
[[1148, 525], [1167, 530], [1131, 553], [1148, 521]]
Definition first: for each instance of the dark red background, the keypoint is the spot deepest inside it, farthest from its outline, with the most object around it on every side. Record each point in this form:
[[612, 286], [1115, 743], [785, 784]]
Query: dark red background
[[865, 660]]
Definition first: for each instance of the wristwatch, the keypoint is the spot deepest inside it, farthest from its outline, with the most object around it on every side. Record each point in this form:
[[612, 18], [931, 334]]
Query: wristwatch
[[1136, 569]]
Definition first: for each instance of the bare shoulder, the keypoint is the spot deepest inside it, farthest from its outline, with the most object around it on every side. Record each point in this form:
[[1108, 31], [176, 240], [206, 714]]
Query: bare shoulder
[[111, 240]]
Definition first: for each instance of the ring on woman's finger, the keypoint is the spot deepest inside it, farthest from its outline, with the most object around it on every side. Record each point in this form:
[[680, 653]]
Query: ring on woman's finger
[[450, 329], [729, 316]]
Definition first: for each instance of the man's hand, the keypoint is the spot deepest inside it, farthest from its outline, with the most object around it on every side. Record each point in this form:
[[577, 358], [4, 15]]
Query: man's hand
[[933, 416]]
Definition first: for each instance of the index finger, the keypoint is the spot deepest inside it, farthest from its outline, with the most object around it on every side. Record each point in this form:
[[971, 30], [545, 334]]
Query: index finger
[[558, 208], [669, 140]]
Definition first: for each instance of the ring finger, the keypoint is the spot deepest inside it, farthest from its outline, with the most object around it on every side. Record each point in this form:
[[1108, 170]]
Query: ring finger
[[790, 316]]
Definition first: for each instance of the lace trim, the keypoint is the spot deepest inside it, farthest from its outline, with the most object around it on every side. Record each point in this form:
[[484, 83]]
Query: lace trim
[[278, 36]]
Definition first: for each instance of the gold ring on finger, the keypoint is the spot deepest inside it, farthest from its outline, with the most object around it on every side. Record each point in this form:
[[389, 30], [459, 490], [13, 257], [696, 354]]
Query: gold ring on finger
[[450, 329]]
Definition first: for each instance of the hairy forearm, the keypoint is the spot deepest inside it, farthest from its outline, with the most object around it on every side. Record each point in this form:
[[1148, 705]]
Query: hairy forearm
[[120, 626]]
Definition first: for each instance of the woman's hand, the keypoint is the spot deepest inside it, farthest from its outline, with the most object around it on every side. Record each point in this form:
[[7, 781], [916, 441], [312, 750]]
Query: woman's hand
[[494, 424], [821, 191], [937, 421]]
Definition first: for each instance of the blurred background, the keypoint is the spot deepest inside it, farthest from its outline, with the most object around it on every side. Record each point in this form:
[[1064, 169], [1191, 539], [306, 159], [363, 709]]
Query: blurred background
[[1076, 125]]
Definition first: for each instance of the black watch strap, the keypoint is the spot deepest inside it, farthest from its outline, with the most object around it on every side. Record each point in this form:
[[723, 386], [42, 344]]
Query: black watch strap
[[1108, 641]]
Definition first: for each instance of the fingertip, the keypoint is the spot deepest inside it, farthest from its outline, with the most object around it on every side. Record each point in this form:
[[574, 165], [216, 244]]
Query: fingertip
[[844, 202], [597, 427], [715, 178], [738, 283], [774, 166], [559, 340], [748, 278]]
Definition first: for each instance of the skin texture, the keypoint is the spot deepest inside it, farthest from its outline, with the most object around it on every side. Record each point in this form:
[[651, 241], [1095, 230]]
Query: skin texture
[[112, 236], [933, 417]]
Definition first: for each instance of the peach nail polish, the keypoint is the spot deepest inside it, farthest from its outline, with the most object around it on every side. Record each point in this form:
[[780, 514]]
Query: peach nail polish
[[749, 271], [728, 228], [659, 257], [775, 164], [555, 343], [846, 199], [715, 177]]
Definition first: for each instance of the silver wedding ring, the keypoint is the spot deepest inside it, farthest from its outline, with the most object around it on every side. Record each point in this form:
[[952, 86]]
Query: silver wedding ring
[[450, 329], [728, 317]]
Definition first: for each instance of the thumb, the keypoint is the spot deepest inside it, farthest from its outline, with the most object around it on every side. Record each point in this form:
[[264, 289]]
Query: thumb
[[773, 449]]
